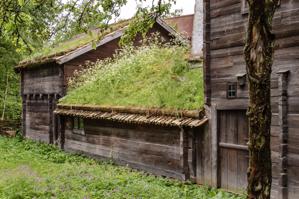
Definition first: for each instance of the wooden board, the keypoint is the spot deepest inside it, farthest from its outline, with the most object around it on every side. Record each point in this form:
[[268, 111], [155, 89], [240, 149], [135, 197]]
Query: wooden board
[[233, 152], [155, 149]]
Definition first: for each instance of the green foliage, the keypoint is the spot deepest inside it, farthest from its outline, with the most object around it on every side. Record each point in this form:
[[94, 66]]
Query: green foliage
[[149, 76], [35, 170], [10, 106]]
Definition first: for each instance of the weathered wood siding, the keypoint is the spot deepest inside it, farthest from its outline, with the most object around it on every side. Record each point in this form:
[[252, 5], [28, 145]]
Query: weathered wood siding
[[204, 156], [37, 120], [225, 28], [159, 150], [43, 80], [40, 90]]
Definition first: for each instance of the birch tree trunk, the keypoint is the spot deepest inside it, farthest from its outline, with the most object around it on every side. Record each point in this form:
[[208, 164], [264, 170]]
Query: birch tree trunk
[[5, 95], [259, 50]]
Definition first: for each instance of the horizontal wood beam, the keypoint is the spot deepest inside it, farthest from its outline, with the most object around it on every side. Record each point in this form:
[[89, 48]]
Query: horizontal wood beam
[[233, 146]]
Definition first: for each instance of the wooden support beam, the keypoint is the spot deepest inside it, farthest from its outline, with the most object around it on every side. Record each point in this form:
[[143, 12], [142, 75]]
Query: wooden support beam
[[184, 153], [24, 107], [61, 131], [233, 146], [206, 52], [283, 125], [214, 148], [50, 112]]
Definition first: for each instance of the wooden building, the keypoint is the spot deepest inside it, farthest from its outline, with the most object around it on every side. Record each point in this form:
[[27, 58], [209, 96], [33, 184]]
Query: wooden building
[[44, 79], [161, 142], [227, 96]]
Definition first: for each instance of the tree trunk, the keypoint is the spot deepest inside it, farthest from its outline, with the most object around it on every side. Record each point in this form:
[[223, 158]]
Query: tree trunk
[[5, 96], [259, 50]]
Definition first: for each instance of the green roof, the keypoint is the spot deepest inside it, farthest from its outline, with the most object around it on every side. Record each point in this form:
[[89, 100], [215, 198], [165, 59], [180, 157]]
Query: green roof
[[148, 77], [62, 48]]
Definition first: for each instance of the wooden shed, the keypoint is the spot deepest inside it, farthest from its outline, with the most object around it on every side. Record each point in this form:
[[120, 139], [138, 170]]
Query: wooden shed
[[226, 95], [44, 78], [161, 142]]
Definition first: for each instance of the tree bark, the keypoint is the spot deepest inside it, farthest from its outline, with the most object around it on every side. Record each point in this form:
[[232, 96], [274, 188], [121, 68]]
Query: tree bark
[[259, 50]]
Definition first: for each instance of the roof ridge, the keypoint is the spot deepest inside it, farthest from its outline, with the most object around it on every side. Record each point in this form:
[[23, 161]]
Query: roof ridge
[[55, 56]]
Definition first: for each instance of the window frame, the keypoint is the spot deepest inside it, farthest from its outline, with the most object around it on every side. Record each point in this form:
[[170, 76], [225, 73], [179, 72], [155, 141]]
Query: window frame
[[229, 90], [78, 125]]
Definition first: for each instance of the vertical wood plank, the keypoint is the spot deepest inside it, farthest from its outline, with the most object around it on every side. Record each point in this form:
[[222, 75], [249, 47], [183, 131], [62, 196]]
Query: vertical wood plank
[[206, 52], [214, 146], [184, 153], [283, 125]]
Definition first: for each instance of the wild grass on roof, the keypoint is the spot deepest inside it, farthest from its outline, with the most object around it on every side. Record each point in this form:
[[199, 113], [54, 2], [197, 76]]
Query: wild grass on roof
[[74, 43], [150, 76]]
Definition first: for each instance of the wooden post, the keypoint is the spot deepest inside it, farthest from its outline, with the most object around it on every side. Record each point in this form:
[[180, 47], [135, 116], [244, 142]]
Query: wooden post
[[61, 131], [24, 97], [50, 112], [55, 120], [214, 147], [184, 153], [206, 52], [24, 107], [283, 125]]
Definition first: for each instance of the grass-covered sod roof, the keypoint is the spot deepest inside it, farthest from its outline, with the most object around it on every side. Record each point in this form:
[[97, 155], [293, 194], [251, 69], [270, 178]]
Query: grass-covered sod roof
[[151, 77], [76, 42]]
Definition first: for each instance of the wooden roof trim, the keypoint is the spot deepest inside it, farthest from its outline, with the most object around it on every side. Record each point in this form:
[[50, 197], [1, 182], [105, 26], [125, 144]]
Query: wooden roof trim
[[171, 30], [196, 114], [160, 120], [82, 50]]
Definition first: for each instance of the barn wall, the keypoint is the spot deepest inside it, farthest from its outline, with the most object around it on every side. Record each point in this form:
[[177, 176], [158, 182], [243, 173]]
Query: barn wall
[[225, 41], [43, 80], [37, 120], [163, 151], [40, 90], [204, 156]]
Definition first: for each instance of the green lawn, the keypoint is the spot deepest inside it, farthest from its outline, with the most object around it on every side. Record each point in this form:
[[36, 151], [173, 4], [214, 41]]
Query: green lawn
[[34, 170], [148, 77]]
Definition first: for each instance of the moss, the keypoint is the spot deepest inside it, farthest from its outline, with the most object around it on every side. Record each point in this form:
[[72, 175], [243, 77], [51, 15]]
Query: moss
[[74, 43]]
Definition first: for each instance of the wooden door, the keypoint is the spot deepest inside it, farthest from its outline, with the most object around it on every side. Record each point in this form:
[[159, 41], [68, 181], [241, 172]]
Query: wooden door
[[233, 151]]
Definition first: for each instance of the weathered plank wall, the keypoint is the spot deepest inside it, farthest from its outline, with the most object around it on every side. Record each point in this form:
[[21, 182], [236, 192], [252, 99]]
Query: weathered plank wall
[[37, 120], [204, 156], [159, 150], [40, 89], [224, 37], [43, 80]]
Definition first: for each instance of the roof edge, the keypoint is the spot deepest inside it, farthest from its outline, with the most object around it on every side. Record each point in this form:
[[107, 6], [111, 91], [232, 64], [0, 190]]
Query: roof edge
[[70, 55], [135, 117], [196, 114]]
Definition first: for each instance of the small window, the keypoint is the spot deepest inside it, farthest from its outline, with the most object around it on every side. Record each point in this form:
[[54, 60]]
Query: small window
[[232, 90], [78, 126]]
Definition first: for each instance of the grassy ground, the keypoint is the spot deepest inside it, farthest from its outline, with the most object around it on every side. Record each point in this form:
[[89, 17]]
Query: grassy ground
[[150, 77], [34, 170]]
